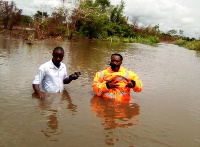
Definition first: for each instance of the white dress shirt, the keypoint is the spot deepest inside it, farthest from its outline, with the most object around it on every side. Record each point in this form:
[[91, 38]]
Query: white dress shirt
[[51, 77]]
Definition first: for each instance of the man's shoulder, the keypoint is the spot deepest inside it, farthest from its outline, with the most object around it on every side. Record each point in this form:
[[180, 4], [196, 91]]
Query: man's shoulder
[[104, 70], [62, 65], [131, 73], [46, 64], [127, 70]]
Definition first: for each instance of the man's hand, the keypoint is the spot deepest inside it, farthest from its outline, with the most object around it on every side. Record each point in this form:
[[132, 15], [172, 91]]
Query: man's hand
[[112, 84], [38, 92], [71, 77], [74, 76], [130, 84], [41, 95]]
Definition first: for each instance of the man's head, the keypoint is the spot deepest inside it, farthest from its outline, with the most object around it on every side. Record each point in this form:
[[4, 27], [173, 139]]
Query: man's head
[[116, 61], [58, 54]]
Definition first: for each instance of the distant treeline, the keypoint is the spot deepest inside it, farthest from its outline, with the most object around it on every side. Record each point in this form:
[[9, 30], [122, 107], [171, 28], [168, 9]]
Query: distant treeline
[[93, 19]]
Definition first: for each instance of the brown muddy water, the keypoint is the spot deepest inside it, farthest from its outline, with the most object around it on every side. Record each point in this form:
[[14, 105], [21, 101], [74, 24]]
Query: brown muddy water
[[165, 114]]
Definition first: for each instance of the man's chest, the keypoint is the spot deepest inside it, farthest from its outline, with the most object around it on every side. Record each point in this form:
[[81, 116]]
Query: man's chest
[[54, 73], [113, 75]]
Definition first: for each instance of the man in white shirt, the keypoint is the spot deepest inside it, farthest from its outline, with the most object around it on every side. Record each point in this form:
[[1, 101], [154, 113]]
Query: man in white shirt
[[52, 75]]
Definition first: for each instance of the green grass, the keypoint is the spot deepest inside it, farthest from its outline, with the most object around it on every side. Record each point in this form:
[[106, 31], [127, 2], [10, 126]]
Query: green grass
[[193, 45], [150, 40]]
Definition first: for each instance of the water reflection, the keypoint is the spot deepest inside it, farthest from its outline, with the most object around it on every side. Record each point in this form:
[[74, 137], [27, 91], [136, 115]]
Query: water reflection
[[52, 126], [50, 108], [170, 74], [115, 114]]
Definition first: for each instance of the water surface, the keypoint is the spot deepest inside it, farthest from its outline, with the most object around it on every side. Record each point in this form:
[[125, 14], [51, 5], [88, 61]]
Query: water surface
[[165, 114]]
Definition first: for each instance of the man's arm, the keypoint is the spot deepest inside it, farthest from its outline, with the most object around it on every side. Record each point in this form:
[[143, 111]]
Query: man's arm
[[37, 91], [67, 80], [74, 76], [37, 80], [99, 85], [137, 83]]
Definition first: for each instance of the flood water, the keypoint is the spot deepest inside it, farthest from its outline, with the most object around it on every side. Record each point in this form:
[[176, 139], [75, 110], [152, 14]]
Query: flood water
[[165, 114]]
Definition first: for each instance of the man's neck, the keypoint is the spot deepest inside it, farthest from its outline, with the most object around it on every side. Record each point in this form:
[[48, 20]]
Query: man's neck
[[56, 64], [116, 69]]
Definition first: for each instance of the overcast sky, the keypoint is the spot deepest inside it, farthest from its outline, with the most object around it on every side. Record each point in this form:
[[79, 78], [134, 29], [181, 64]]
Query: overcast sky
[[169, 14]]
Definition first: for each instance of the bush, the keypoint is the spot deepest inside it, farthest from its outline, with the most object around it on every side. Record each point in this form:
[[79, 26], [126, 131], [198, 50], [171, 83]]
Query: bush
[[113, 39], [62, 30], [151, 40], [180, 42], [193, 45]]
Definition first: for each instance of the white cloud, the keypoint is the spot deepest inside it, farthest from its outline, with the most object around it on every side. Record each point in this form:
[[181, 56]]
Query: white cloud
[[169, 14], [46, 2]]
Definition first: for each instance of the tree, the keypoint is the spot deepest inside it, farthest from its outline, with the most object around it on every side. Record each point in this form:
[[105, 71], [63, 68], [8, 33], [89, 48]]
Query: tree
[[92, 19], [71, 15], [10, 14], [1, 12], [103, 4], [117, 14], [26, 20], [98, 19], [172, 32], [181, 32], [40, 16], [134, 22], [56, 23]]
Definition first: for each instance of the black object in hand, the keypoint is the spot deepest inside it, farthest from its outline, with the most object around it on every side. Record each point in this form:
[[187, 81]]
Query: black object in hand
[[78, 73], [73, 76]]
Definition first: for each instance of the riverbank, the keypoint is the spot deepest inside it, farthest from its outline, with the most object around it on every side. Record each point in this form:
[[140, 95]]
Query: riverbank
[[30, 35], [192, 45]]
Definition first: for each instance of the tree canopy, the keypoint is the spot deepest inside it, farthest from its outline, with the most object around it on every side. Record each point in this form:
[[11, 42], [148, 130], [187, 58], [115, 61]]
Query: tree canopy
[[10, 15]]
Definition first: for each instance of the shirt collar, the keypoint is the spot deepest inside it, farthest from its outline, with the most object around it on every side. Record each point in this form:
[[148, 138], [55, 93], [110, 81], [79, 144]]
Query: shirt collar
[[121, 69], [53, 66]]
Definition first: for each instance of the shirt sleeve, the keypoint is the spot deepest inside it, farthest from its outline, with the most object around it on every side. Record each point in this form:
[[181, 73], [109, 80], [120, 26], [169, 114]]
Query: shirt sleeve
[[65, 73], [138, 83], [39, 76], [99, 85]]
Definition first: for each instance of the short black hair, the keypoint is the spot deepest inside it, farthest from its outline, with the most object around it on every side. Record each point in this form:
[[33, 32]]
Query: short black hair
[[115, 54], [58, 48]]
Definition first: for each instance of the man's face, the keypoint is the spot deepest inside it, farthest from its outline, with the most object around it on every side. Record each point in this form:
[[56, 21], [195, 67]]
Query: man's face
[[58, 56], [115, 62]]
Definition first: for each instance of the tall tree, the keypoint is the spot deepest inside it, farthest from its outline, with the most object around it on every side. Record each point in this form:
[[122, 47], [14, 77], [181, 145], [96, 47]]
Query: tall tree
[[181, 32], [55, 23], [92, 21], [103, 4], [10, 14], [172, 32], [71, 14], [117, 14], [39, 16], [26, 20]]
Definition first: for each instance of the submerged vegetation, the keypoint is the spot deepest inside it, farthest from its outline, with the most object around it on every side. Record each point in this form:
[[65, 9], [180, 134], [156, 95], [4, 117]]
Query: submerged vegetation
[[92, 19]]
